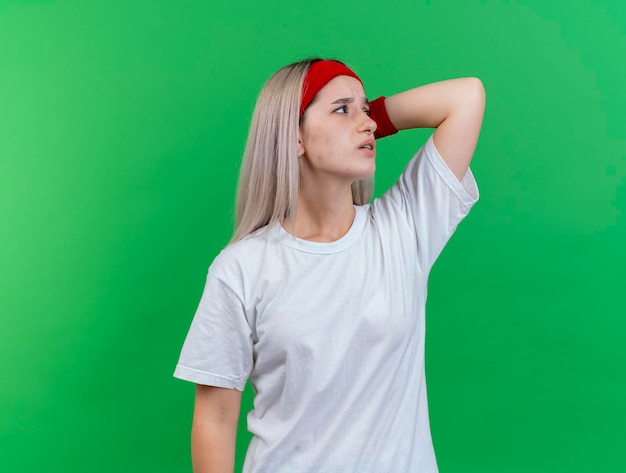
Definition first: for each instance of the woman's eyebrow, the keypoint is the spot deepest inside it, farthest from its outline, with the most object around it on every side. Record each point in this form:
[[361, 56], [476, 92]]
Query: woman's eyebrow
[[350, 100]]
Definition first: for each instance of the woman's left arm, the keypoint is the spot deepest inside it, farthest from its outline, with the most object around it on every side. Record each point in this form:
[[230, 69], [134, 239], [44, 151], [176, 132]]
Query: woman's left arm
[[454, 107]]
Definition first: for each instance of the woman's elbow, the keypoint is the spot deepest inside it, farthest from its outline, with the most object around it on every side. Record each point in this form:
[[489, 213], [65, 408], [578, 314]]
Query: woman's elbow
[[475, 92]]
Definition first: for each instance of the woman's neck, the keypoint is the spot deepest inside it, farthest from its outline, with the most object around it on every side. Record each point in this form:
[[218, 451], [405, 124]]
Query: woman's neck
[[323, 215]]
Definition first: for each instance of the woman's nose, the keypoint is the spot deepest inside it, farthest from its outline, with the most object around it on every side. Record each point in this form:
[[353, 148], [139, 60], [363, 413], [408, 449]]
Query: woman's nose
[[369, 125]]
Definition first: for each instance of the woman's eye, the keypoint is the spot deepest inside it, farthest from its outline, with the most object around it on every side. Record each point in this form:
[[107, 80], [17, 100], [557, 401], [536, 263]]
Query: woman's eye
[[343, 109], [368, 112]]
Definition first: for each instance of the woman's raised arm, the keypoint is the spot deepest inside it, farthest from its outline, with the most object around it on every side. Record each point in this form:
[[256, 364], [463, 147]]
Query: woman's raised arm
[[454, 107]]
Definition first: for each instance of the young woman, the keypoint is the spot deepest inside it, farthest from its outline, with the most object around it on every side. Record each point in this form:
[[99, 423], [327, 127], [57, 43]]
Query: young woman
[[319, 299]]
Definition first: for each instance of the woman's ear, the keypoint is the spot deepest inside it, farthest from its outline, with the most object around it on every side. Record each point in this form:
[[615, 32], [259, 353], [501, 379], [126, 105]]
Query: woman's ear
[[300, 147]]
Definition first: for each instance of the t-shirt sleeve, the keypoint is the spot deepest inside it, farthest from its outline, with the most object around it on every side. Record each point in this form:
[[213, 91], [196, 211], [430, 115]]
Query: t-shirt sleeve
[[429, 201], [218, 348]]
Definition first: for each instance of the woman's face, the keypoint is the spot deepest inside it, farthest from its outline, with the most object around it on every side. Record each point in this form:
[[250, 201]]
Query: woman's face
[[337, 134]]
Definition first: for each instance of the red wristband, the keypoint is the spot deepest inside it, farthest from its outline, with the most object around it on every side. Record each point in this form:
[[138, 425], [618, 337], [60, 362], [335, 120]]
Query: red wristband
[[378, 112]]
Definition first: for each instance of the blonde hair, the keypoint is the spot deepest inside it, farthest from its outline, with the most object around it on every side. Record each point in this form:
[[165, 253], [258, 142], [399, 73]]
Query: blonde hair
[[269, 178]]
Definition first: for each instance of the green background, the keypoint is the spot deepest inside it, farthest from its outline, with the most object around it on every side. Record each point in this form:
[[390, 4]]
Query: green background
[[122, 124]]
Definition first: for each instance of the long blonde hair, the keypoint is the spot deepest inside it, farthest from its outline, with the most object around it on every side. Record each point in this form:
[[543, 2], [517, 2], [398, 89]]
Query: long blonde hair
[[269, 178]]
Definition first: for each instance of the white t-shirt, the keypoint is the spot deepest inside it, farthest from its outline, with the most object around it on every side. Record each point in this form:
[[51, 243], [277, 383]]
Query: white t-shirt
[[331, 335]]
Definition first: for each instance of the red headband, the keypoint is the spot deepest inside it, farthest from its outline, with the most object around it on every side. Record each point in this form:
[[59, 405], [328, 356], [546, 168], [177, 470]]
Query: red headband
[[319, 74]]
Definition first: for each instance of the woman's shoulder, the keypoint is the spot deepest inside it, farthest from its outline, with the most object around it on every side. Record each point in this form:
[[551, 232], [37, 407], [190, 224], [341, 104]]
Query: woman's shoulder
[[239, 256]]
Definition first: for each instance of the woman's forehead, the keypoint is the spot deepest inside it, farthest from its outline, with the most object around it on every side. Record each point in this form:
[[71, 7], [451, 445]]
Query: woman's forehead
[[342, 87]]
